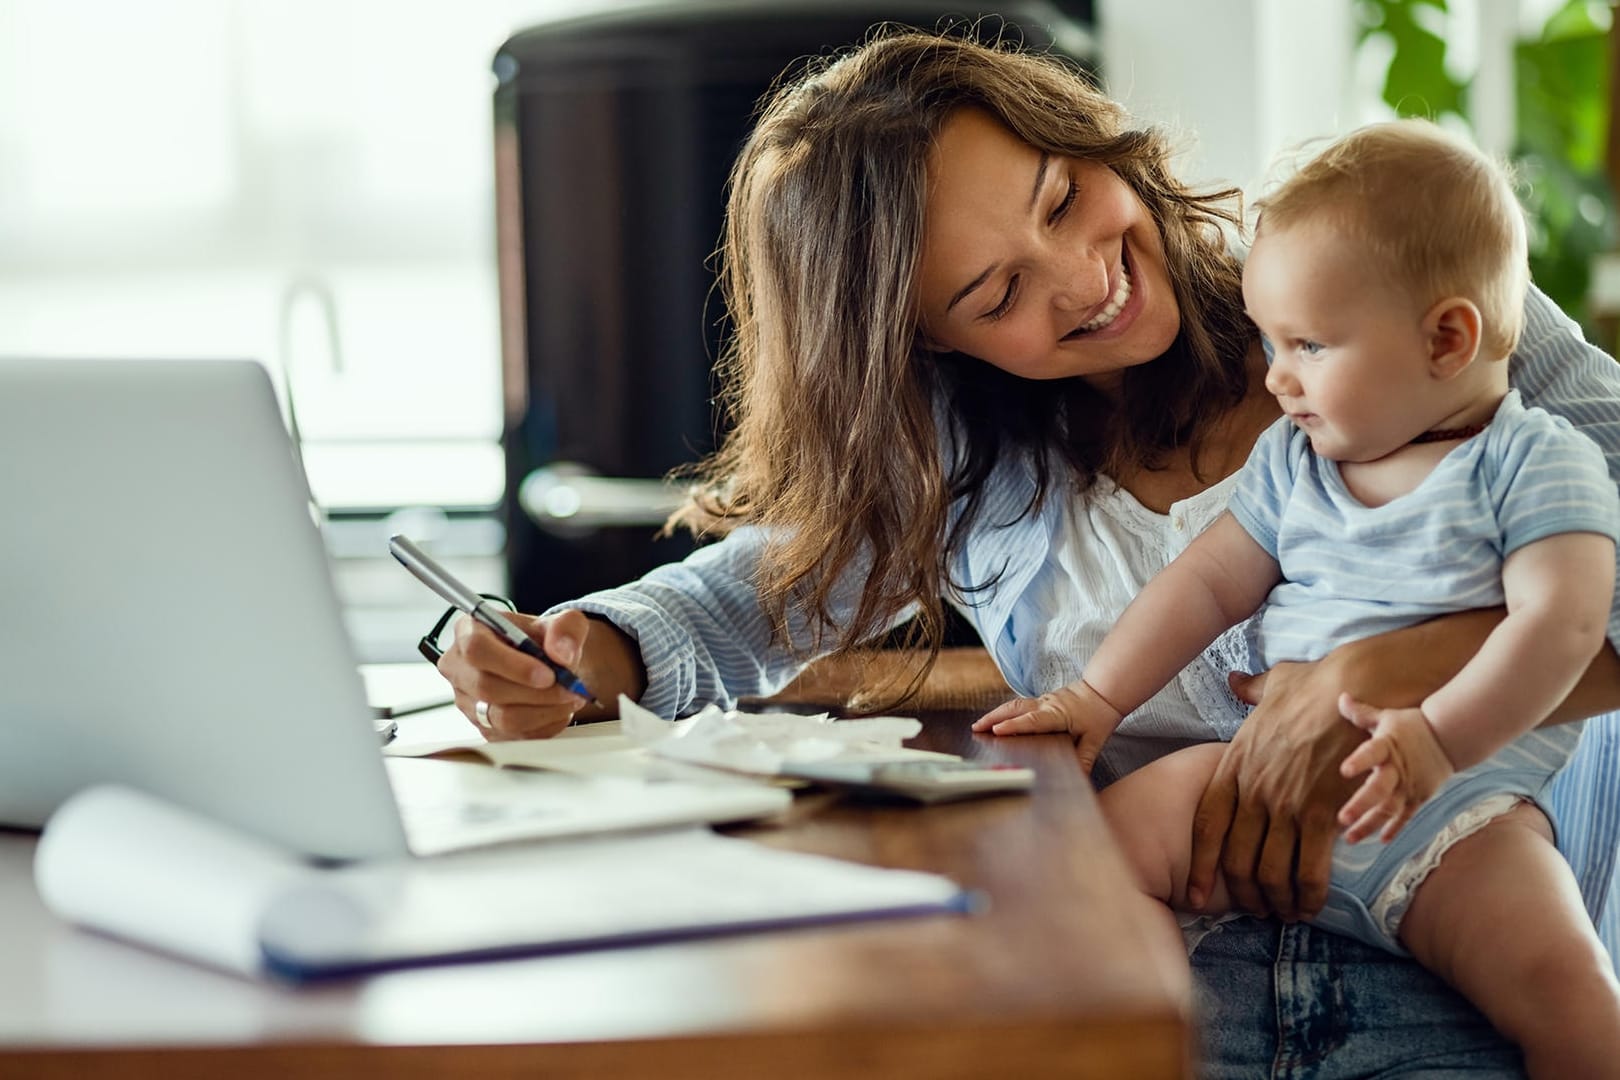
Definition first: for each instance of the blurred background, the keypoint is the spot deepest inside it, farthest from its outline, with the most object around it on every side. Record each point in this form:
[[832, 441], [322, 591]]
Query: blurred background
[[469, 239]]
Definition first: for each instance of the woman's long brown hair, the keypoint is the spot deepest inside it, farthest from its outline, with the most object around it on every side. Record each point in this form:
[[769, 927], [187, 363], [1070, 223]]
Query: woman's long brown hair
[[835, 445]]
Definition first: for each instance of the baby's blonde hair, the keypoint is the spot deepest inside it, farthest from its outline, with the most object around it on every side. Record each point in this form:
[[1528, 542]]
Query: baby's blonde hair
[[1436, 216]]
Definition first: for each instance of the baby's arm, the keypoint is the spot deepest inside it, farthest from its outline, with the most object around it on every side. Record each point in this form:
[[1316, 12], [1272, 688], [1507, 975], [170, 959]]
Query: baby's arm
[[1220, 579], [1558, 595]]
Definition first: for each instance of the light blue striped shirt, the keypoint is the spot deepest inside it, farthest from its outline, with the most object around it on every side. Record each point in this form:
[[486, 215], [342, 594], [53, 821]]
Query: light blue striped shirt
[[1351, 570], [704, 638]]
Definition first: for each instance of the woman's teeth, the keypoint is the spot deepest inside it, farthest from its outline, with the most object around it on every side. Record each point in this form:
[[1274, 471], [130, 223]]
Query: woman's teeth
[[1116, 304]]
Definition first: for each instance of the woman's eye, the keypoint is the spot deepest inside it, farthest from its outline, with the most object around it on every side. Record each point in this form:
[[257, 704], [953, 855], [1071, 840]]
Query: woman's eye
[[1062, 208], [1006, 301]]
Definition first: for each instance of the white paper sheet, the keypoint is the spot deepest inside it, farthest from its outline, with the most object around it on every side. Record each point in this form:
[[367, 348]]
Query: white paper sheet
[[712, 746], [137, 867], [127, 864], [761, 743], [579, 893]]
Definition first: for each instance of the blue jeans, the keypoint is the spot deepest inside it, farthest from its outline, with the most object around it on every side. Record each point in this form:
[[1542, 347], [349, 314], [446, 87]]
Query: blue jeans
[[1291, 1002]]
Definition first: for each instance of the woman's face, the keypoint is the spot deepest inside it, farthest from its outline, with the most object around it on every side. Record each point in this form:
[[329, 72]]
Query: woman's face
[[1043, 266]]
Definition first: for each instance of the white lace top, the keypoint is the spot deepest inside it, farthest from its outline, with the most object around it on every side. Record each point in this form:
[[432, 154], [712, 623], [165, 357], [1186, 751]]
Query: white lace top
[[1104, 549]]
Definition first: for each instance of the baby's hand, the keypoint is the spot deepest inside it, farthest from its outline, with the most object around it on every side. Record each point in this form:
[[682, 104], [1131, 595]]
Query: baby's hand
[[1407, 767], [1076, 709]]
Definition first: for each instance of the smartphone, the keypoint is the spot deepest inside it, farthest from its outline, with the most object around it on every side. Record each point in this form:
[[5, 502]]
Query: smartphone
[[925, 781]]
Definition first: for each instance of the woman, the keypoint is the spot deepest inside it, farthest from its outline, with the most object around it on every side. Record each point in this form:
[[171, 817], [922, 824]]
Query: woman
[[984, 344]]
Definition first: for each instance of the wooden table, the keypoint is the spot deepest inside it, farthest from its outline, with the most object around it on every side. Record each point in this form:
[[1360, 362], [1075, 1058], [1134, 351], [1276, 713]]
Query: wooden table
[[1061, 976]]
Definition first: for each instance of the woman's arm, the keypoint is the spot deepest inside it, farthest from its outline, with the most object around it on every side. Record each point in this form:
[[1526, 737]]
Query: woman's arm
[[1597, 693], [1556, 369], [1268, 818], [687, 634]]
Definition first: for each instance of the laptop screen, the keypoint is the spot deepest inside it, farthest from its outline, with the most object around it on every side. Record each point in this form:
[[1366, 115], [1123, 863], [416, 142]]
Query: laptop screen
[[174, 625]]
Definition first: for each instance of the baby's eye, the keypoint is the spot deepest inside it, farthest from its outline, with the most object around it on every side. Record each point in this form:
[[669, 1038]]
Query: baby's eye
[[1310, 348]]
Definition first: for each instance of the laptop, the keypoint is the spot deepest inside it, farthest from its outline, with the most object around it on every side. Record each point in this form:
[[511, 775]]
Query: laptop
[[174, 628]]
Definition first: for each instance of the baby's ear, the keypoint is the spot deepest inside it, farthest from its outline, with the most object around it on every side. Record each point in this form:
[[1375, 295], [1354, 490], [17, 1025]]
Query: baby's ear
[[1452, 328]]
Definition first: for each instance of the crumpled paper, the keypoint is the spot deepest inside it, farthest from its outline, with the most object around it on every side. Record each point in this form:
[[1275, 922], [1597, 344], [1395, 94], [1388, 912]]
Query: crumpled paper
[[764, 742]]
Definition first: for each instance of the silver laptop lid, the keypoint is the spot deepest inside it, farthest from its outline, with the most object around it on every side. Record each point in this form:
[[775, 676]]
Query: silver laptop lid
[[171, 618]]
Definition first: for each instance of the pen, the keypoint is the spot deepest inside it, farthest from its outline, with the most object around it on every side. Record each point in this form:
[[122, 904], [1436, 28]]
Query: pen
[[464, 599]]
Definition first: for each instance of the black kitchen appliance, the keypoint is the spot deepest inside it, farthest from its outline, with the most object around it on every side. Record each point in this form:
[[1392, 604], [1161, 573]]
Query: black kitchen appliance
[[614, 134]]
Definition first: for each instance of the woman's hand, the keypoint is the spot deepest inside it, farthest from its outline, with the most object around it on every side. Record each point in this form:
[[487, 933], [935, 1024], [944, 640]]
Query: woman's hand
[[1268, 818], [1269, 815], [521, 697]]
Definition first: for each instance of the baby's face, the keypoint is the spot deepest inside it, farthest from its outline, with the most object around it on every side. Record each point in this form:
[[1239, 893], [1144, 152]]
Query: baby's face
[[1350, 360]]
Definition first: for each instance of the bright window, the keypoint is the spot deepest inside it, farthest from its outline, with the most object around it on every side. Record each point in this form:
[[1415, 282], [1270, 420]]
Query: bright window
[[265, 178]]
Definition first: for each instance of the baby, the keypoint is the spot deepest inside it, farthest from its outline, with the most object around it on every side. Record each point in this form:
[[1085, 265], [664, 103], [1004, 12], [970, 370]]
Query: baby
[[1406, 480]]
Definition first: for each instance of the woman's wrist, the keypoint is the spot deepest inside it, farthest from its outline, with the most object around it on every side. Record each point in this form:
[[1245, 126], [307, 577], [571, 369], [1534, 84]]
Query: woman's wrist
[[1598, 691], [1400, 668], [615, 666]]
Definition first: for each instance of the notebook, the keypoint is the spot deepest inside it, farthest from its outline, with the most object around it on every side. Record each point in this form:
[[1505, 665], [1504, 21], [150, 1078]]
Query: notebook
[[133, 867], [174, 629]]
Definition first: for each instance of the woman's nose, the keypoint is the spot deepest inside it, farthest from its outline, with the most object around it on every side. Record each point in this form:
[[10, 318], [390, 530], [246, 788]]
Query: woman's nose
[[1080, 280]]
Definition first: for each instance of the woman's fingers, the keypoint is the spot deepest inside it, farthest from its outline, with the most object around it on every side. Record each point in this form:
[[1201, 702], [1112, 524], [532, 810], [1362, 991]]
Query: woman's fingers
[[519, 695], [1216, 809], [1240, 856], [1318, 831], [530, 721], [528, 714], [1275, 871], [1247, 688], [490, 655], [563, 636]]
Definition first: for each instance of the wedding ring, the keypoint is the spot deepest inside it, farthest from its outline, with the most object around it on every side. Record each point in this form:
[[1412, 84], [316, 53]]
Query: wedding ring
[[481, 710]]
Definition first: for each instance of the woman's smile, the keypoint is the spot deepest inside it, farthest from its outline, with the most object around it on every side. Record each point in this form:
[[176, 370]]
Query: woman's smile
[[1118, 312], [1044, 266]]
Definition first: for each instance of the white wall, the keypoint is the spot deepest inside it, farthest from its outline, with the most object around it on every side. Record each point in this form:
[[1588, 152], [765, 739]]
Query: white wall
[[1240, 79]]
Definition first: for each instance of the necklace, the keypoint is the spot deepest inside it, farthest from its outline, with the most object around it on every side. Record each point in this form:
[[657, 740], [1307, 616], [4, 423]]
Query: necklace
[[1447, 434]]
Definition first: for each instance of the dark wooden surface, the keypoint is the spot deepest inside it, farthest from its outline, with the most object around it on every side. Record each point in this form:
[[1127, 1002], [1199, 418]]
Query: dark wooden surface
[[1060, 975]]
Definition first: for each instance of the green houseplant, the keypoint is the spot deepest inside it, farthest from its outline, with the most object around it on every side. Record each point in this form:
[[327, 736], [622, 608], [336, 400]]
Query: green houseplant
[[1561, 79]]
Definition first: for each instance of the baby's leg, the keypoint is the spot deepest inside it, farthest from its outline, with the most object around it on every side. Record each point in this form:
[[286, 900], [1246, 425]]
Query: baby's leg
[[1501, 919], [1151, 813]]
